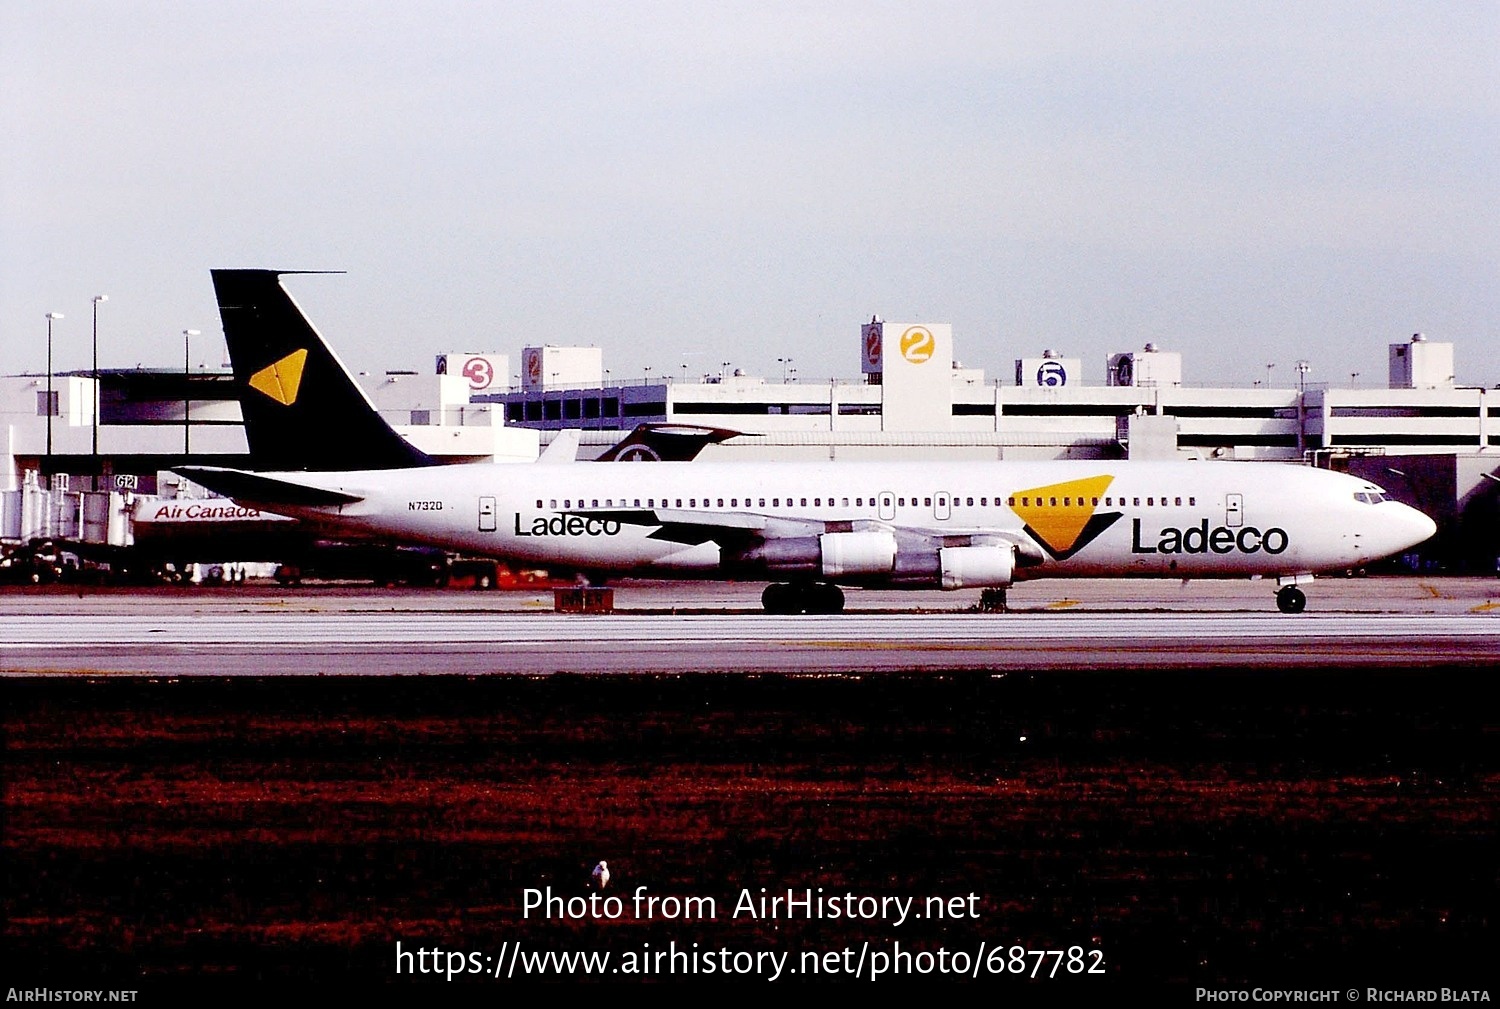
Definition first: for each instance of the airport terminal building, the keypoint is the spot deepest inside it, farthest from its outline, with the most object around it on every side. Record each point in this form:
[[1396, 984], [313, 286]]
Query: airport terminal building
[[1431, 441]]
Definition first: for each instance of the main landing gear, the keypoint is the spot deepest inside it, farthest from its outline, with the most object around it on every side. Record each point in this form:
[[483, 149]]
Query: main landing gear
[[1290, 599], [802, 597]]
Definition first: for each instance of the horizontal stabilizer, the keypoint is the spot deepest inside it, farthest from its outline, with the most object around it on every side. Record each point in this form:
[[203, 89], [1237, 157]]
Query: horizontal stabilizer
[[263, 490]]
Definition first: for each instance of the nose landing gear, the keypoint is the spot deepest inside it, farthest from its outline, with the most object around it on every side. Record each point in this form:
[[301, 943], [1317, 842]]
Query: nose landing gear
[[1290, 599]]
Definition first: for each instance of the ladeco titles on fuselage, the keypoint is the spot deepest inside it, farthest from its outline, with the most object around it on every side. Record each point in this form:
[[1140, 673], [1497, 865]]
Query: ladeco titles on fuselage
[[568, 525], [1198, 539]]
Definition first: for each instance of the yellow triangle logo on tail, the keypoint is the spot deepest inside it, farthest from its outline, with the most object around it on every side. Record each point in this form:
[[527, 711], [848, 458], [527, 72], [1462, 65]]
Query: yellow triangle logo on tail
[[1062, 515], [281, 380]]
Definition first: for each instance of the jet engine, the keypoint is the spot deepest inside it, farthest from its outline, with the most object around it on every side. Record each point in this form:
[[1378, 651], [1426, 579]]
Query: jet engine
[[989, 567], [864, 553], [830, 555]]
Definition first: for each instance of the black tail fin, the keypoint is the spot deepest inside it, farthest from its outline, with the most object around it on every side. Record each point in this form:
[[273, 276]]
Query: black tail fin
[[302, 409], [666, 443]]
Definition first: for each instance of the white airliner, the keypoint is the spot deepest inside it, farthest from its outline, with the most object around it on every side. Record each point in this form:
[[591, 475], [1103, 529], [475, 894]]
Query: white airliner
[[805, 527]]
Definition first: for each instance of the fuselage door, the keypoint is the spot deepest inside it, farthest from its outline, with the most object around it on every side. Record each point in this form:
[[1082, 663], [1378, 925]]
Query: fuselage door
[[1234, 510], [942, 506], [886, 509], [486, 514]]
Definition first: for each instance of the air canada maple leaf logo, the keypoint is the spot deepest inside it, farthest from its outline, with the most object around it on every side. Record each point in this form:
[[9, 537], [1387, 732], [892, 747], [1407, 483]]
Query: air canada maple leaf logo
[[1063, 517]]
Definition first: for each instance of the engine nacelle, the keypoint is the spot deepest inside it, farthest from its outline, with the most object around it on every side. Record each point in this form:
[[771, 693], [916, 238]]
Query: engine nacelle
[[829, 555], [799, 555], [855, 554], [977, 567]]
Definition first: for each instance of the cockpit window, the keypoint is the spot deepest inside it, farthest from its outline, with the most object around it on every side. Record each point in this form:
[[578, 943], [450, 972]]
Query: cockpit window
[[1369, 497]]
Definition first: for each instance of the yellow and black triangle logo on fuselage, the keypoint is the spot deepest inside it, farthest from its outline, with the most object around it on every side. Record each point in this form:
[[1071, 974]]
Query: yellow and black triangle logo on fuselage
[[1063, 517], [281, 380]]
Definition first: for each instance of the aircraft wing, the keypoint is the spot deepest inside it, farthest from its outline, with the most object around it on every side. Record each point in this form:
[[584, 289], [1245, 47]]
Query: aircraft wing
[[263, 490], [734, 529], [680, 525]]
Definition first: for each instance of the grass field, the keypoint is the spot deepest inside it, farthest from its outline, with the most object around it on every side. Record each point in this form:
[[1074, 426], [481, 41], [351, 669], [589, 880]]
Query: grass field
[[1198, 828]]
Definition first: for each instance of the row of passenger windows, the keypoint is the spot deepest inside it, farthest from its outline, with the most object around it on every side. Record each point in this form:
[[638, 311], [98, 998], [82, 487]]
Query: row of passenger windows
[[1025, 501]]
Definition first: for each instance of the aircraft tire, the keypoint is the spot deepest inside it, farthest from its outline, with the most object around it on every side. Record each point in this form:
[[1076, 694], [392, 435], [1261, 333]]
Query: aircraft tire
[[770, 598], [825, 597], [1291, 599], [781, 599]]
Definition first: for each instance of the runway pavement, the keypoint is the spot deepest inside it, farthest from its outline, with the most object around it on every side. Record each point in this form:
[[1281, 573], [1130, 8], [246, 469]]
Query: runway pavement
[[717, 627]]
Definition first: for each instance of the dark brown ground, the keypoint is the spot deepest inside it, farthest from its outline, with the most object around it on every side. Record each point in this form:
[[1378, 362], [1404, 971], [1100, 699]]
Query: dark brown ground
[[1220, 829]]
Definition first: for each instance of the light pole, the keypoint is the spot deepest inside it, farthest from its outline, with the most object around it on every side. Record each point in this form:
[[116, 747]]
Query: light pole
[[187, 379], [97, 298], [784, 362], [1303, 367], [51, 407], [1268, 375]]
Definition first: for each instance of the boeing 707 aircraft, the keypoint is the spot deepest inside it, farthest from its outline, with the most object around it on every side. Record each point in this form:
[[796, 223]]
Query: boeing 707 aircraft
[[806, 528]]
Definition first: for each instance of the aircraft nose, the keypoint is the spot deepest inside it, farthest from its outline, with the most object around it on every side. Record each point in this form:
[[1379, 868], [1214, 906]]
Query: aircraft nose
[[1415, 527]]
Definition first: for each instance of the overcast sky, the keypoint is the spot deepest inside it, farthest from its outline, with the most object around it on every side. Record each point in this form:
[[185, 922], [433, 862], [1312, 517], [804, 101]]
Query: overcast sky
[[694, 184]]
